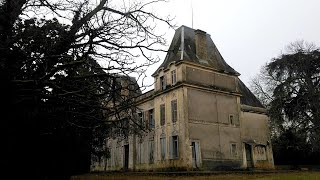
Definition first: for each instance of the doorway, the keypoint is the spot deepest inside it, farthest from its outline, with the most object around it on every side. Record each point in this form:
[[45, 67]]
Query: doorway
[[195, 154], [249, 156], [126, 157]]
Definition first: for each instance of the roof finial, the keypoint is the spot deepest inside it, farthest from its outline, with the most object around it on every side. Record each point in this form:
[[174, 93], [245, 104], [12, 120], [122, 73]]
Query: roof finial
[[191, 15]]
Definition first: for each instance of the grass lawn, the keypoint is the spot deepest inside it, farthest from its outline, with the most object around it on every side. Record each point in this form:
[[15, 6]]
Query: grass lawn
[[305, 175]]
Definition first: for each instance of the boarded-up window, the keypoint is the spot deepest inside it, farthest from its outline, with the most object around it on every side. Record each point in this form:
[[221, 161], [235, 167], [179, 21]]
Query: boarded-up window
[[151, 152], [174, 147], [174, 112], [260, 152], [162, 115], [163, 148]]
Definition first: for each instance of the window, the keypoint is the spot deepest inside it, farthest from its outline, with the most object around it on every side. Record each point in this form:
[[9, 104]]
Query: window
[[173, 77], [163, 148], [162, 114], [151, 119], [174, 110], [231, 119], [151, 152], [162, 83], [233, 150], [140, 119], [139, 153], [174, 147]]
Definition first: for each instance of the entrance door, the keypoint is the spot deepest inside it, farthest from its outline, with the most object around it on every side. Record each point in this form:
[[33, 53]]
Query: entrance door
[[195, 154], [126, 157], [249, 156]]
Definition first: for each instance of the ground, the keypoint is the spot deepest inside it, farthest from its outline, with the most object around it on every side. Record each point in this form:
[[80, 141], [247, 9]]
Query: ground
[[274, 175]]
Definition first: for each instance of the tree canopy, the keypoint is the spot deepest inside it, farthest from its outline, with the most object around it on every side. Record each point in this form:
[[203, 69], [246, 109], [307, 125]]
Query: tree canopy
[[61, 62], [290, 88]]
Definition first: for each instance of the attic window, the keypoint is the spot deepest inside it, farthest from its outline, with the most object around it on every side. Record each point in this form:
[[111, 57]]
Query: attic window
[[162, 83]]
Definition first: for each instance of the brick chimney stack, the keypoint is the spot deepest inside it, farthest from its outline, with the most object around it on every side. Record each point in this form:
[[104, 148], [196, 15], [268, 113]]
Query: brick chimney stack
[[201, 44]]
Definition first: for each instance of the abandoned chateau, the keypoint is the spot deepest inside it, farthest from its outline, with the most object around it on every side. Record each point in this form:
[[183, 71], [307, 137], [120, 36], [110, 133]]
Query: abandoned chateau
[[199, 116]]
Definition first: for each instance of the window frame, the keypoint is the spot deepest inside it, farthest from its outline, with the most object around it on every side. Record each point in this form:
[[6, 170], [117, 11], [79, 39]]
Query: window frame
[[162, 114], [173, 77], [231, 119], [141, 119], [162, 82], [174, 147], [233, 149], [163, 148], [151, 152], [151, 119]]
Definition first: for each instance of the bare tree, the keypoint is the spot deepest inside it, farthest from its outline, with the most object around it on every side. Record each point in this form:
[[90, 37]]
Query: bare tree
[[64, 64]]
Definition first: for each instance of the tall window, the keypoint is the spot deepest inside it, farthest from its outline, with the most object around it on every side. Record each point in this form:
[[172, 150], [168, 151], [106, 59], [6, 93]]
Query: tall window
[[174, 110], [173, 77], [162, 83], [162, 114], [163, 148], [151, 151], [151, 119], [174, 147], [139, 153]]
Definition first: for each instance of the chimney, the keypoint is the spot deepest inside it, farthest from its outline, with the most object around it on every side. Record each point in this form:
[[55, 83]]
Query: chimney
[[201, 44]]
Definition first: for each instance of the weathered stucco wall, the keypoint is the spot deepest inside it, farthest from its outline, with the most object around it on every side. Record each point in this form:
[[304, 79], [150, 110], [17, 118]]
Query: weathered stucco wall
[[209, 123], [255, 131], [210, 78]]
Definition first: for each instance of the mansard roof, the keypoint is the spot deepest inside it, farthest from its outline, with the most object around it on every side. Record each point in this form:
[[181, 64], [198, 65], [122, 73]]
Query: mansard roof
[[248, 98], [183, 48]]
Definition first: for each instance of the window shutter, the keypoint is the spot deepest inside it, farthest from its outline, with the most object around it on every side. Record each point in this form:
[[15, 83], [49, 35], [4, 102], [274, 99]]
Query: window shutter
[[164, 82], [171, 147], [172, 111]]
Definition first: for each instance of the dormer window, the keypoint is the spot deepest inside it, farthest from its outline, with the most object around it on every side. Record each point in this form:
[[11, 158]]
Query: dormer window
[[162, 83], [173, 77]]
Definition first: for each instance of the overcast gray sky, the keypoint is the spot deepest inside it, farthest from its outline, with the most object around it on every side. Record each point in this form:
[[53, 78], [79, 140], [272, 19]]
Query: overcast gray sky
[[248, 33]]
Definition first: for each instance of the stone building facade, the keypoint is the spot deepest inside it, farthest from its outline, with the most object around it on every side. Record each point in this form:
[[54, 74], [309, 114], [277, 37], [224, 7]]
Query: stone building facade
[[198, 116]]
